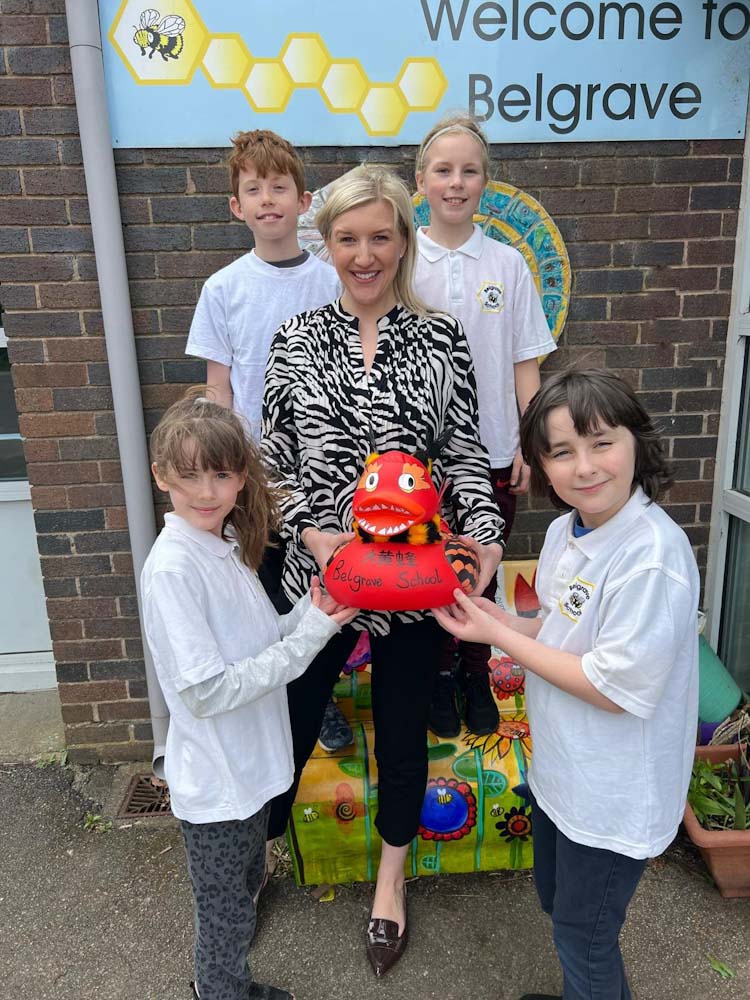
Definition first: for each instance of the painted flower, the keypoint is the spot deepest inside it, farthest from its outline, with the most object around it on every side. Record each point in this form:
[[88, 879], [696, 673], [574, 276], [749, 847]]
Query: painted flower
[[449, 810], [516, 825], [497, 745], [506, 676]]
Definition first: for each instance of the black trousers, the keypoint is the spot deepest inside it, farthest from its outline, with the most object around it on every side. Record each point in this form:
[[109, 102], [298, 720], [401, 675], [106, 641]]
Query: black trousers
[[403, 670]]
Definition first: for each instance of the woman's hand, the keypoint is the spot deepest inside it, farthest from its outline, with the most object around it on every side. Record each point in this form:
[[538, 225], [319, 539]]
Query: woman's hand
[[520, 475], [489, 556], [340, 613], [322, 544], [469, 621]]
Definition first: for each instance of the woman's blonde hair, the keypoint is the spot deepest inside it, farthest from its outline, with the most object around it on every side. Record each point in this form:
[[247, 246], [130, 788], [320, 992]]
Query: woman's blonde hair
[[197, 433], [458, 121], [370, 183]]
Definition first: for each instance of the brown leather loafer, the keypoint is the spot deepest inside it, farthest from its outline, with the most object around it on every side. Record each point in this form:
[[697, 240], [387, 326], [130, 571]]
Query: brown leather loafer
[[384, 946]]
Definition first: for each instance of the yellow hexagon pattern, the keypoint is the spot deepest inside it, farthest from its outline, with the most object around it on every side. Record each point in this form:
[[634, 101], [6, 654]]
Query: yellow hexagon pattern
[[227, 61], [167, 49]]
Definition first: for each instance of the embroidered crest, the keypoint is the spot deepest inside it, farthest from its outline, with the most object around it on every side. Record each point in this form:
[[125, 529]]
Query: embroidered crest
[[491, 297], [575, 598]]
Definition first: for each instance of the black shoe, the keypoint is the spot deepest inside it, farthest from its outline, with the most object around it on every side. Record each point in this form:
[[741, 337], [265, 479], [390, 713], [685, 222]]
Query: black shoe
[[258, 991], [444, 719], [482, 715]]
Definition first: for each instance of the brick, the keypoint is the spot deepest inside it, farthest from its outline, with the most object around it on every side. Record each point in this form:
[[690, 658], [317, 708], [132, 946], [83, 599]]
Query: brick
[[58, 30], [63, 520], [88, 694], [198, 208], [67, 180], [122, 562], [137, 689], [87, 449], [187, 370], [687, 225], [195, 264], [50, 121], [211, 180], [22, 30], [115, 628], [128, 155], [33, 267], [89, 398], [102, 733], [639, 356], [42, 324], [88, 649], [72, 714], [14, 240], [590, 255], [729, 224], [176, 320], [56, 424], [10, 180], [715, 197], [227, 236], [107, 586], [697, 447], [645, 306], [610, 280], [33, 400], [206, 155], [121, 753], [151, 180], [62, 90], [600, 333], [102, 541], [71, 295], [41, 450], [17, 92], [698, 399], [657, 198], [61, 473], [691, 170], [542, 173], [76, 349], [65, 630], [156, 238], [674, 378], [611, 228], [683, 278], [578, 201], [38, 61], [60, 588], [681, 424], [116, 518], [706, 305], [28, 212], [49, 375], [70, 152], [32, 6], [84, 756], [90, 608], [696, 492], [128, 606], [118, 670], [616, 171], [112, 711], [152, 348], [24, 350], [61, 567], [19, 297], [48, 497], [54, 545], [674, 330], [583, 308], [95, 496], [63, 239], [163, 293], [161, 396]]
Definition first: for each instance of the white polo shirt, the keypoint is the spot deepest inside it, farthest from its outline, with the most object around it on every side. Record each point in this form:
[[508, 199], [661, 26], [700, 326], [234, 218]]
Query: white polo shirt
[[624, 597], [203, 608], [489, 288], [240, 309]]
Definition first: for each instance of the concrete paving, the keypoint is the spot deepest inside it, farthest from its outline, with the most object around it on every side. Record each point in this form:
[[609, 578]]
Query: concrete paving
[[30, 725], [107, 916]]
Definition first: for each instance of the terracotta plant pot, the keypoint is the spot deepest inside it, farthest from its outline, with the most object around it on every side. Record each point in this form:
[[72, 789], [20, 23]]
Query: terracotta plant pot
[[726, 852]]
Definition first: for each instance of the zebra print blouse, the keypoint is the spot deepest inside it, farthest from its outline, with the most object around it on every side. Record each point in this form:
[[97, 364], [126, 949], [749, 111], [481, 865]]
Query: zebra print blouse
[[321, 406]]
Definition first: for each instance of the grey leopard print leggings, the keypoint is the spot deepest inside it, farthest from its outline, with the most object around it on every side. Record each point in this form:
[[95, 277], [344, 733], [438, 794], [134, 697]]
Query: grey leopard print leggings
[[226, 862]]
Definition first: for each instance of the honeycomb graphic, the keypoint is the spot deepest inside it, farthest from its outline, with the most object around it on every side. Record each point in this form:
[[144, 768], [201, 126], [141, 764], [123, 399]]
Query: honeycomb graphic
[[268, 83]]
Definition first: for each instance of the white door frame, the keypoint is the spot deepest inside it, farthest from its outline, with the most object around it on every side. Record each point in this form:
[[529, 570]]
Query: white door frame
[[726, 500]]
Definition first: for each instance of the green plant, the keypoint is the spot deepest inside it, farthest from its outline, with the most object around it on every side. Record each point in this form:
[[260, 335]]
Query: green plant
[[50, 759], [96, 823], [719, 793]]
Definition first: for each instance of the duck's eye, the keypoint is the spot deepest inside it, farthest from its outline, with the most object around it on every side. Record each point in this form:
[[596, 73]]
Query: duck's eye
[[371, 482], [407, 482]]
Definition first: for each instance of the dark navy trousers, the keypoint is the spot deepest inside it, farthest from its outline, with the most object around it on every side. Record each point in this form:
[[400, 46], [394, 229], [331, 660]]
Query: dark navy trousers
[[586, 891]]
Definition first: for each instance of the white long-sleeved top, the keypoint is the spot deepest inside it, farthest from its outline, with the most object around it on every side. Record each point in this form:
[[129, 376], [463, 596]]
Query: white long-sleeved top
[[223, 657]]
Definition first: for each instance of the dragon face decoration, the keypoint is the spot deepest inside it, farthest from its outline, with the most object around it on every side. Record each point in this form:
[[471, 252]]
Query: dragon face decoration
[[403, 557]]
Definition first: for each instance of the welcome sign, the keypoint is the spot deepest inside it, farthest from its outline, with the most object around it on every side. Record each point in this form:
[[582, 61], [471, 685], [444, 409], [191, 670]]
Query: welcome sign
[[380, 71]]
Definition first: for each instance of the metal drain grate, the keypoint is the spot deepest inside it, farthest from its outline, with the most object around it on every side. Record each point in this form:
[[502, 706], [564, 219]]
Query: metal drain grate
[[146, 796]]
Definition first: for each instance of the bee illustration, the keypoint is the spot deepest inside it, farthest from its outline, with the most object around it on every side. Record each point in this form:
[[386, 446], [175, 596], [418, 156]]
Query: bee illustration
[[496, 809], [309, 815], [164, 37]]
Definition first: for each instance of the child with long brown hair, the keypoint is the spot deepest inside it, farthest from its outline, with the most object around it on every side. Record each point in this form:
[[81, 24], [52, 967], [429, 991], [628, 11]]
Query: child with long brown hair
[[223, 657]]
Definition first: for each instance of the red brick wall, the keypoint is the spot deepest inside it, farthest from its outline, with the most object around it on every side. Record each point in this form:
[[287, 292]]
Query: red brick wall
[[649, 227]]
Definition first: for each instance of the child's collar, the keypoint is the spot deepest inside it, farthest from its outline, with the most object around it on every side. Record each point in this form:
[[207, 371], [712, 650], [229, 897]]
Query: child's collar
[[594, 542], [433, 251], [206, 539]]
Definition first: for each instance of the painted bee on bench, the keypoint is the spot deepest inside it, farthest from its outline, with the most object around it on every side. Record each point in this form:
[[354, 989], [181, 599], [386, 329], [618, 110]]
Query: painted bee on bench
[[164, 37]]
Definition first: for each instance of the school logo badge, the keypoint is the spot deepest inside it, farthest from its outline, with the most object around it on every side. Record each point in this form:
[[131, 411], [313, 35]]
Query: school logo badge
[[491, 297], [575, 598]]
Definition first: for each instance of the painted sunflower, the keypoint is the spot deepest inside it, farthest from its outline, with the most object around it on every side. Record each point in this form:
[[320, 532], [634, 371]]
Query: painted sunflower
[[497, 744], [516, 825]]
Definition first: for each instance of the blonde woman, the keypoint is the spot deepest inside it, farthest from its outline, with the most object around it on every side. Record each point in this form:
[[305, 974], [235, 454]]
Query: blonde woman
[[375, 365]]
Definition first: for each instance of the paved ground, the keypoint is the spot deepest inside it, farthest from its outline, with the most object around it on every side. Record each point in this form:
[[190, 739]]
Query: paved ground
[[106, 916]]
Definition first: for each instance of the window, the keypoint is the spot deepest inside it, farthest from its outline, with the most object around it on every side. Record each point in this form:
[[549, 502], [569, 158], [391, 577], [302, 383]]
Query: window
[[12, 464]]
